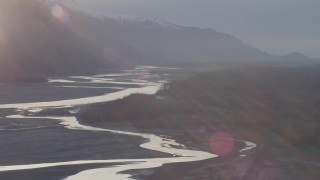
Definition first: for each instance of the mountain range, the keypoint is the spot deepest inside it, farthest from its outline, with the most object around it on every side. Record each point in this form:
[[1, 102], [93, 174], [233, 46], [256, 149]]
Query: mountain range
[[146, 41], [41, 39]]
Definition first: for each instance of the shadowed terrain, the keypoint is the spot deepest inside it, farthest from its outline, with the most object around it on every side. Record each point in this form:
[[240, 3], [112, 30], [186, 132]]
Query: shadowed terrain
[[39, 39], [253, 116], [277, 108], [35, 42]]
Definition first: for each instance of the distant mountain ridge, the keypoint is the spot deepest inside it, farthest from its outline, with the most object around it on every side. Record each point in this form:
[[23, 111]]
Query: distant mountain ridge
[[161, 42], [296, 56], [35, 44]]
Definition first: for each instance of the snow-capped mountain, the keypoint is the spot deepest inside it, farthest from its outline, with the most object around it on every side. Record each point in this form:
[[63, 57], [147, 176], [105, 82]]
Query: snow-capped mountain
[[151, 23], [141, 40], [57, 40]]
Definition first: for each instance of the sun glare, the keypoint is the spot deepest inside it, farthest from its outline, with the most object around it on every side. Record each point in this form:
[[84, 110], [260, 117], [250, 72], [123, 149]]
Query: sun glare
[[60, 13]]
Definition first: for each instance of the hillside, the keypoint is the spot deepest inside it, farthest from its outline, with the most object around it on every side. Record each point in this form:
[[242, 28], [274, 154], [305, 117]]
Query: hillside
[[264, 98], [39, 40], [277, 108], [35, 44], [156, 42]]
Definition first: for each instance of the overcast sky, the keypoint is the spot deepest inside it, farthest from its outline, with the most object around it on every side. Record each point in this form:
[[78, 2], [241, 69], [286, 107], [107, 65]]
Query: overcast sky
[[276, 26]]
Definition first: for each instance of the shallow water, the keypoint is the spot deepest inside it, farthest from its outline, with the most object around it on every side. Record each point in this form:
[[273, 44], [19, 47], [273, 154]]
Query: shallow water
[[150, 85]]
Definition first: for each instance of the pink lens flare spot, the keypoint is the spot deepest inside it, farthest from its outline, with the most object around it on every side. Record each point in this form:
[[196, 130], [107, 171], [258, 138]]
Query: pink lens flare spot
[[222, 143], [60, 13], [106, 52]]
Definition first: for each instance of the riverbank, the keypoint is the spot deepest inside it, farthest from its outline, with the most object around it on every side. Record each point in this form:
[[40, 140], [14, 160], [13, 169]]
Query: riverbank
[[59, 140], [262, 105]]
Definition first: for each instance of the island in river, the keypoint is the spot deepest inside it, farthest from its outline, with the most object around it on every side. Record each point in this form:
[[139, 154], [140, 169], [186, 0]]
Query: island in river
[[275, 107], [42, 139]]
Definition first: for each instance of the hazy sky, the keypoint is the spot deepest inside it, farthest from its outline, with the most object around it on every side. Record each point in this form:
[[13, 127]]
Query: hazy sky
[[276, 26]]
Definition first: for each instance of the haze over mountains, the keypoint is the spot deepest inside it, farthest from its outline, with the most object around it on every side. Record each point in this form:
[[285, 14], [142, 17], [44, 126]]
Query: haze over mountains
[[36, 42], [160, 41], [132, 98]]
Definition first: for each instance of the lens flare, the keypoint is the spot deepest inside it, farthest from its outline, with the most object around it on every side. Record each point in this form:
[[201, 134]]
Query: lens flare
[[60, 13], [222, 143], [106, 52]]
